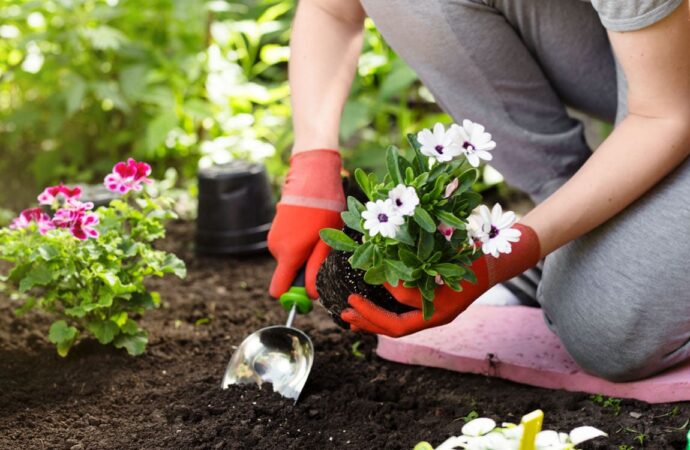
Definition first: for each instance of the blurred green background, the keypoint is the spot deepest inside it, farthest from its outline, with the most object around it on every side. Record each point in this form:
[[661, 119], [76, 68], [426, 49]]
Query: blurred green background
[[178, 83]]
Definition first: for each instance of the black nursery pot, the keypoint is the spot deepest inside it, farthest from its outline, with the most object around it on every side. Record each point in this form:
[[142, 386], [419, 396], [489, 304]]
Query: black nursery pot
[[337, 279], [235, 209]]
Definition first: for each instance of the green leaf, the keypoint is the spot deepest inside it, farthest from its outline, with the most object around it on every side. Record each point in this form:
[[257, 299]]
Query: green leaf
[[408, 258], [450, 219], [400, 78], [135, 344], [404, 236], [103, 330], [401, 271], [425, 246], [173, 264], [391, 277], [363, 256], [74, 94], [48, 252], [424, 219], [354, 205], [158, 129], [363, 182], [393, 165], [356, 115], [63, 336], [352, 220], [449, 270], [470, 276], [420, 162], [338, 240], [39, 275], [375, 275]]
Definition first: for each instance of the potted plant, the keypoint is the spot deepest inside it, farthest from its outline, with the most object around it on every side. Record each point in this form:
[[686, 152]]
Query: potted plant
[[87, 267], [422, 225]]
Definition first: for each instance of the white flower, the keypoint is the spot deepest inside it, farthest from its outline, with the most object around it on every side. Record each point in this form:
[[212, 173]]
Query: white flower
[[474, 141], [551, 440], [493, 229], [439, 144], [478, 427], [381, 217], [404, 199]]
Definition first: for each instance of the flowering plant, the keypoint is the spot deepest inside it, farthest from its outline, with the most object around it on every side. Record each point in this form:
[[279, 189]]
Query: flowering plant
[[484, 434], [423, 223], [86, 266]]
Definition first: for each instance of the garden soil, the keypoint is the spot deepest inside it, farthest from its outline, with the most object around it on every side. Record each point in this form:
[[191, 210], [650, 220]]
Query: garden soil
[[169, 398]]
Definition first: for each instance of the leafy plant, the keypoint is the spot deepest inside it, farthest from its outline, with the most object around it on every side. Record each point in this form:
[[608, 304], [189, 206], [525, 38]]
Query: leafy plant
[[416, 226], [87, 268], [612, 403]]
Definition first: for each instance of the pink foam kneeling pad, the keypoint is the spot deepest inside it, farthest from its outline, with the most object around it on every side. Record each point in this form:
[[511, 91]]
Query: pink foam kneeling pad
[[514, 343]]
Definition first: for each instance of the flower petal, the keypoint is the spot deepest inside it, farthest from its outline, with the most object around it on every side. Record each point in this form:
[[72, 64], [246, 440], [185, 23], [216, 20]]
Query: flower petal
[[582, 434], [478, 427]]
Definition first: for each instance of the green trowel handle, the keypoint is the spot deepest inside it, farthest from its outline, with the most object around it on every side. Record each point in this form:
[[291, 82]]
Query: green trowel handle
[[297, 295]]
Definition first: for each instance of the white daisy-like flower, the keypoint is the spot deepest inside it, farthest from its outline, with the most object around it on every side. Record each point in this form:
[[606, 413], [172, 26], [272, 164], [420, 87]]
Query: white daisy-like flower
[[474, 141], [493, 229], [404, 199], [381, 217], [440, 144]]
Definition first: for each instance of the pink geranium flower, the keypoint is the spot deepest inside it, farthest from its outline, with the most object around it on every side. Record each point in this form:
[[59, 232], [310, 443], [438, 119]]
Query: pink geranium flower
[[446, 230], [60, 192], [73, 211], [83, 227], [128, 176], [33, 215]]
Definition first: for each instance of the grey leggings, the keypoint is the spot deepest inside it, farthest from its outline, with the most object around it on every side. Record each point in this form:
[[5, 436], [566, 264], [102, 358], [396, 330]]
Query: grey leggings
[[619, 297]]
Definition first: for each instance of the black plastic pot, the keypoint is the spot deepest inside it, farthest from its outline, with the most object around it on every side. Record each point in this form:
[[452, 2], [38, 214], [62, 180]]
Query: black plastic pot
[[235, 209], [337, 279]]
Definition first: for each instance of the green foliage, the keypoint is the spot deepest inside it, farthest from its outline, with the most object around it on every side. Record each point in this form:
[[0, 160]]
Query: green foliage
[[176, 82], [94, 286], [612, 403], [419, 255]]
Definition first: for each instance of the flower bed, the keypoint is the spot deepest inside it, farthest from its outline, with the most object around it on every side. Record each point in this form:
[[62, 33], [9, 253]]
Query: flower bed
[[169, 397]]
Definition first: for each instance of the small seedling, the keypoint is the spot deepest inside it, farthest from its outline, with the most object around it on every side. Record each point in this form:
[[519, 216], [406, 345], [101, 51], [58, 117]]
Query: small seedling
[[611, 403], [625, 447], [355, 350], [471, 416], [203, 321], [640, 437]]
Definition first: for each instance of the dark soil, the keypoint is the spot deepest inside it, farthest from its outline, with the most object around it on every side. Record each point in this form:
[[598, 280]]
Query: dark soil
[[169, 398], [336, 280]]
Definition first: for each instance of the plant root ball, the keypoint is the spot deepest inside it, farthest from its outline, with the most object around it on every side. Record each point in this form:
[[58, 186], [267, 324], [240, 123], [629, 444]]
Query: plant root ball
[[336, 280]]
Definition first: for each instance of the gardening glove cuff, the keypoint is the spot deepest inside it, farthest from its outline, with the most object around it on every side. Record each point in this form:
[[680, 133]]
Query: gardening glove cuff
[[312, 200]]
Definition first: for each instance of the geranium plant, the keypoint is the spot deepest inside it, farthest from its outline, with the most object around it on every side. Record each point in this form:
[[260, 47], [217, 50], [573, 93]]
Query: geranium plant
[[423, 225], [87, 267]]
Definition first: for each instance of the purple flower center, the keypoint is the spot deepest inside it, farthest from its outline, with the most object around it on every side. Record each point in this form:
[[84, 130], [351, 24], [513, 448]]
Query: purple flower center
[[398, 202], [383, 218], [468, 146], [493, 232], [439, 149]]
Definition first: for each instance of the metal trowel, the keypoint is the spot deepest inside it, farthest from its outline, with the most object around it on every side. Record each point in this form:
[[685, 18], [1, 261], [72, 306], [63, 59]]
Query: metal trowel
[[279, 355]]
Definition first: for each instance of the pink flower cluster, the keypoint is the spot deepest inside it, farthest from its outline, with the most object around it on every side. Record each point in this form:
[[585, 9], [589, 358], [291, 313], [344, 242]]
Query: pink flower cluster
[[128, 176], [75, 215], [59, 193], [37, 215]]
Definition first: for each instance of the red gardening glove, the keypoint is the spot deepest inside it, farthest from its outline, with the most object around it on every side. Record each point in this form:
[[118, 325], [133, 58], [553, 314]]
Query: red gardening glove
[[312, 200], [366, 316]]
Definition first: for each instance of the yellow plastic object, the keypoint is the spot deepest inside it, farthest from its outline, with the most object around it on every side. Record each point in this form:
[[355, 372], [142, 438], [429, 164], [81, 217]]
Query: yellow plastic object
[[423, 446], [531, 424]]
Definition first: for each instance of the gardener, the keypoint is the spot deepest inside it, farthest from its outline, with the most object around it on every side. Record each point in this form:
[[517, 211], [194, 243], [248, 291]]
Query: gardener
[[615, 224]]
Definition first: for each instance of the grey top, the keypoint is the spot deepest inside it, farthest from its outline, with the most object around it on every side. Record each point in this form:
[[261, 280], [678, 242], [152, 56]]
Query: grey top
[[629, 15]]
